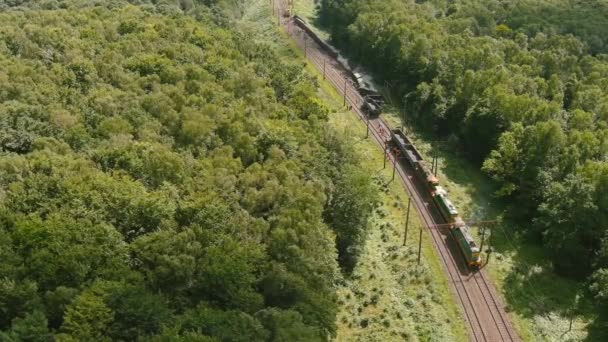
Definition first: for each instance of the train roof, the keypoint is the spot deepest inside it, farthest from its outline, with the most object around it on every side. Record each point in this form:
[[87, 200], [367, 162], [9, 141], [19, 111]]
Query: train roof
[[444, 197], [375, 97], [371, 105], [430, 177], [367, 87], [451, 206], [441, 191], [330, 47], [405, 145], [414, 149], [412, 156], [467, 236], [365, 83]]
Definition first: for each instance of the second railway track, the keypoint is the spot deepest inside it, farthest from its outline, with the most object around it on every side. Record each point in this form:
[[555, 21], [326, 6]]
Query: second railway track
[[482, 309]]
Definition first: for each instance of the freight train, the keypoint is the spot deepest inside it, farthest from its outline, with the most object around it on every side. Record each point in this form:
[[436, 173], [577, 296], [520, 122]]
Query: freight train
[[373, 101], [372, 106], [449, 212]]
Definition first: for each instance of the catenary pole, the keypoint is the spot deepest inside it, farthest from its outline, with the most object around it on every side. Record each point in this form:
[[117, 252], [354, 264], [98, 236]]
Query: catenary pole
[[419, 245], [384, 166], [324, 60], [407, 220], [394, 165], [345, 91]]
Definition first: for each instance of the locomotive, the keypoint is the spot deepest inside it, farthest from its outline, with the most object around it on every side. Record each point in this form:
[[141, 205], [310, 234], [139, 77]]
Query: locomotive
[[414, 158], [372, 100]]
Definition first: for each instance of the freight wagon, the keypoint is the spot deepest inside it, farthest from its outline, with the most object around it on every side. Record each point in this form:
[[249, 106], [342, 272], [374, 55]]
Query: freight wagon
[[413, 157]]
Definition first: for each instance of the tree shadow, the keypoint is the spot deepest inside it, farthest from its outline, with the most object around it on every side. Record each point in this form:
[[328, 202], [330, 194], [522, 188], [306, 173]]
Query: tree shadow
[[598, 329], [532, 288]]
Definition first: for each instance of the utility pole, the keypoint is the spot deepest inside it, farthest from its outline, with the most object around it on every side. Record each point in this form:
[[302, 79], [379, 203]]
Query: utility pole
[[272, 7], [394, 167], [436, 164], [490, 249], [572, 311], [305, 46], [419, 244], [407, 220], [395, 163], [345, 91], [403, 121], [384, 167], [489, 252], [483, 234], [367, 124], [324, 60]]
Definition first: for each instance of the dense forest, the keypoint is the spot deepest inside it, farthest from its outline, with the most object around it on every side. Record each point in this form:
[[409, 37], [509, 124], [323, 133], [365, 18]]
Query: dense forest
[[164, 177], [522, 94]]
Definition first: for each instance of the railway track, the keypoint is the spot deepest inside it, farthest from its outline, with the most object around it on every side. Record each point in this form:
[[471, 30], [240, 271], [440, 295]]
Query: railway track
[[482, 309]]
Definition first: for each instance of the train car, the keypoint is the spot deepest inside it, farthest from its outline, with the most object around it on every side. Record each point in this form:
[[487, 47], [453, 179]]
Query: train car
[[370, 108], [366, 88], [406, 148], [467, 245], [413, 157], [322, 43], [425, 173], [446, 207], [376, 98]]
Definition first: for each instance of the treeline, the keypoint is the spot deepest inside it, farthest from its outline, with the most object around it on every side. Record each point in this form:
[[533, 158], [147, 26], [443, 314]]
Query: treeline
[[165, 178], [587, 20], [532, 110]]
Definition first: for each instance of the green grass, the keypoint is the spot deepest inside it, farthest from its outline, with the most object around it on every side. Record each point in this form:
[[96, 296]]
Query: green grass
[[388, 293]]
